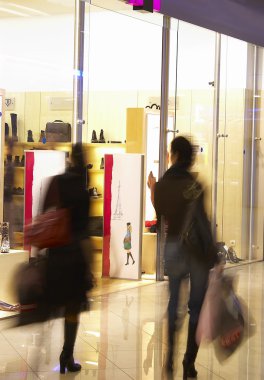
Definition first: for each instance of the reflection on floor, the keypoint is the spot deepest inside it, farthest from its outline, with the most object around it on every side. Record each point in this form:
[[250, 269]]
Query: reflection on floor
[[124, 337]]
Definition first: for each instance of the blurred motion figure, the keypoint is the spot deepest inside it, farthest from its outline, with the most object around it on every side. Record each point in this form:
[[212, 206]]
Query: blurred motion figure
[[68, 271], [189, 247]]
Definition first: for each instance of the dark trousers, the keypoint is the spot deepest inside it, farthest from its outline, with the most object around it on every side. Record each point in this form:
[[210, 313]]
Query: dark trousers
[[198, 284]]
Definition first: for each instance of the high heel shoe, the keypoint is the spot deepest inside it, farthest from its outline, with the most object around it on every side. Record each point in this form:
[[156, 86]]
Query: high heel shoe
[[188, 370], [68, 363]]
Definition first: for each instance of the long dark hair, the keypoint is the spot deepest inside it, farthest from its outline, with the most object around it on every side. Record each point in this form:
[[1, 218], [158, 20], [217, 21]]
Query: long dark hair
[[182, 147]]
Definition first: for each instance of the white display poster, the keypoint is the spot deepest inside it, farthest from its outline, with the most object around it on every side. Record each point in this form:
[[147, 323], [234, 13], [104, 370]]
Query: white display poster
[[40, 167], [123, 215]]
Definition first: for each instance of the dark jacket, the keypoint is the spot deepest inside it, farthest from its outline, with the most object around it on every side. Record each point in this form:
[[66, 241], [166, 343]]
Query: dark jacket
[[67, 269], [179, 197]]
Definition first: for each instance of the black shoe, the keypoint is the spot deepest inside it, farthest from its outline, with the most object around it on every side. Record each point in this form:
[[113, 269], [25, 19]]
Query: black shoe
[[101, 137], [93, 192], [17, 162], [30, 136], [68, 363], [94, 137], [102, 163], [189, 370], [6, 131], [22, 162], [126, 263], [232, 255], [42, 137]]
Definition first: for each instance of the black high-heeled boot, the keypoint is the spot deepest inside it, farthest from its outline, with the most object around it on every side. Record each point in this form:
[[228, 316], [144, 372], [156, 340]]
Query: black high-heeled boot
[[191, 353], [189, 370], [67, 362], [169, 362], [66, 357]]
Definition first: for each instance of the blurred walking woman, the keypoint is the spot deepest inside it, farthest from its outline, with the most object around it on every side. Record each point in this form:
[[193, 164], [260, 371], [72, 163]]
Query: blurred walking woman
[[68, 271], [189, 245]]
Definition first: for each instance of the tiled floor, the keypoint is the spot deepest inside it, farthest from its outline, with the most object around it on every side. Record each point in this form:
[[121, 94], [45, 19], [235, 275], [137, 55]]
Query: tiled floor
[[124, 337]]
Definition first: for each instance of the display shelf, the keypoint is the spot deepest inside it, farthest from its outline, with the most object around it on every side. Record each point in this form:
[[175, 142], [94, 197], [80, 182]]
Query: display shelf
[[105, 145], [96, 199], [97, 242], [38, 145], [95, 171], [94, 153]]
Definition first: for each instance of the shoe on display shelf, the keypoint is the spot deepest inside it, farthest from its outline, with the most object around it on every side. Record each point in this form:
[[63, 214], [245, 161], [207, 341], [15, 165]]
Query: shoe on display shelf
[[94, 137], [42, 137], [17, 162], [101, 137], [5, 243], [22, 162], [232, 255], [30, 136], [93, 193]]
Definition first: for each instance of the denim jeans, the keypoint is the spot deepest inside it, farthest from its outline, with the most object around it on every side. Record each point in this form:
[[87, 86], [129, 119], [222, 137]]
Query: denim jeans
[[199, 272]]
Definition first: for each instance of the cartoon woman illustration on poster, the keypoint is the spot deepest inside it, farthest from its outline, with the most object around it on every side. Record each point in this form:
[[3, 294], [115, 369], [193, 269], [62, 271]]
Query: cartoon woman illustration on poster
[[127, 243]]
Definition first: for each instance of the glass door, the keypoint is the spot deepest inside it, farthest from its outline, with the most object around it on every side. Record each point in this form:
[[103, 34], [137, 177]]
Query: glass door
[[234, 150], [257, 163], [122, 75], [192, 73], [2, 136]]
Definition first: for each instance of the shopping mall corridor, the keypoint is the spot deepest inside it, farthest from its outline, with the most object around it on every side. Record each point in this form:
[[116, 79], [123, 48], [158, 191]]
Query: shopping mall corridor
[[124, 337]]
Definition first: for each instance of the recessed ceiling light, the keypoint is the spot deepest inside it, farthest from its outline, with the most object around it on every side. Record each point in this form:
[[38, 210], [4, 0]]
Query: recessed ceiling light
[[27, 9]]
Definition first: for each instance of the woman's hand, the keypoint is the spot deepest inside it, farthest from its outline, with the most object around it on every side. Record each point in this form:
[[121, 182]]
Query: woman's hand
[[151, 180]]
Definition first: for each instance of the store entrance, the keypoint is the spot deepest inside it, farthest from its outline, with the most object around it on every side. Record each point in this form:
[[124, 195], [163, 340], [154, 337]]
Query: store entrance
[[239, 215]]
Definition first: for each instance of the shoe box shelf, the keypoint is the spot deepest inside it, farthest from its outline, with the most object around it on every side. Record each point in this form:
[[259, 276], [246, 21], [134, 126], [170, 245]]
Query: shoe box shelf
[[94, 153], [18, 186]]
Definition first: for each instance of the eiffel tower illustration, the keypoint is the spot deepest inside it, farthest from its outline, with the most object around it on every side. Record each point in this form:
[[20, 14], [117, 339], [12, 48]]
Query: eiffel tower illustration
[[118, 209]]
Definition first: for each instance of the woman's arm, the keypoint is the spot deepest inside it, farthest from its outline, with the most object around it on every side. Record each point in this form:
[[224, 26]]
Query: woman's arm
[[151, 185]]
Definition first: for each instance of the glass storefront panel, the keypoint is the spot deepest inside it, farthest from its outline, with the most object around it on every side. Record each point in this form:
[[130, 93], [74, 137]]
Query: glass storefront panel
[[194, 93], [36, 81], [234, 150], [36, 61], [122, 77], [257, 141], [238, 206]]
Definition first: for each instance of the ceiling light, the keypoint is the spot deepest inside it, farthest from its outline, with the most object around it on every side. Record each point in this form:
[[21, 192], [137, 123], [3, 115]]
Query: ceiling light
[[27, 9], [2, 9]]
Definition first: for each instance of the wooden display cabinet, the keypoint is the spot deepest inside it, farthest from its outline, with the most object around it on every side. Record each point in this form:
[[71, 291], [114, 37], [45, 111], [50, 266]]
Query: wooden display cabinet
[[94, 153], [143, 133], [18, 185]]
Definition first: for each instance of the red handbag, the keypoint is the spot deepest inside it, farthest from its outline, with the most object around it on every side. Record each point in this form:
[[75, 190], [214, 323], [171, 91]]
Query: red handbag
[[50, 229]]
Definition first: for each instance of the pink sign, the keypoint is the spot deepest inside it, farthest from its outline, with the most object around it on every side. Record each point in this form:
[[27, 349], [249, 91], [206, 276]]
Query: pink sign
[[138, 3]]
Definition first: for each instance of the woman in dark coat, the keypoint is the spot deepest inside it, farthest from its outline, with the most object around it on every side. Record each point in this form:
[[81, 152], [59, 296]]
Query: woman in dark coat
[[189, 247], [68, 272]]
